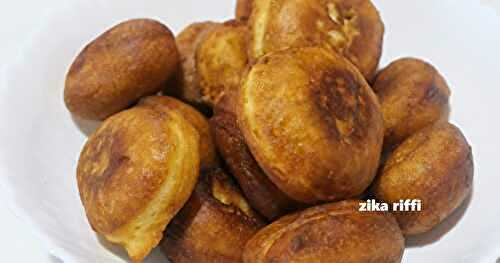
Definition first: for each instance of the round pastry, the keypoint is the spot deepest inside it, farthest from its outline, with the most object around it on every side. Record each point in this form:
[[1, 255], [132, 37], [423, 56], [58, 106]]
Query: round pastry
[[185, 84], [243, 9], [312, 123], [129, 61], [221, 59], [260, 192], [213, 226], [412, 95], [208, 155], [433, 165], [135, 173], [330, 233], [351, 27]]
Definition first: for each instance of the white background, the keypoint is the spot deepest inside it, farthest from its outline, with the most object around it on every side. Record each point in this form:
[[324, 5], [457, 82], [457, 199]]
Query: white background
[[461, 37], [17, 242]]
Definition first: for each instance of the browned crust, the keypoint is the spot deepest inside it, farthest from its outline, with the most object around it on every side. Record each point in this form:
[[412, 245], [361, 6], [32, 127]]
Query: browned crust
[[412, 95], [335, 232], [221, 59], [261, 193], [133, 59], [208, 153], [123, 172], [353, 28], [208, 229], [243, 9], [312, 123], [434, 165], [185, 84]]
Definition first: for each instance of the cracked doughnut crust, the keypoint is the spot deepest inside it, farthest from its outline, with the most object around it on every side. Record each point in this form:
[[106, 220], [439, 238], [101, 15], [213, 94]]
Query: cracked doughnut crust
[[221, 59], [135, 173], [214, 225], [351, 27]]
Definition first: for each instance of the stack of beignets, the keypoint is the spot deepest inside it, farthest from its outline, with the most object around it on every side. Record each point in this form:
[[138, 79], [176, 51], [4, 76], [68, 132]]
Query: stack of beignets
[[293, 119]]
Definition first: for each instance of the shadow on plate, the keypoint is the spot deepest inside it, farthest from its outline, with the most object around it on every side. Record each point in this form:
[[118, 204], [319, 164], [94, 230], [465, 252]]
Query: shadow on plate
[[156, 256], [87, 127], [444, 227], [55, 259], [115, 249]]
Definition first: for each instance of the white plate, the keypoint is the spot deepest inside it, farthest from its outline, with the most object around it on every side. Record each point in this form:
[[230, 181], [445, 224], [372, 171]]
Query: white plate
[[40, 142]]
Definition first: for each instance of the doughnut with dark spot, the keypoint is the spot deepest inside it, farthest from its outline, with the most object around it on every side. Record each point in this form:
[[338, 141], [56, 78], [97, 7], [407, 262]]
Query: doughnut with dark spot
[[412, 95], [312, 123], [434, 165], [335, 232], [135, 173]]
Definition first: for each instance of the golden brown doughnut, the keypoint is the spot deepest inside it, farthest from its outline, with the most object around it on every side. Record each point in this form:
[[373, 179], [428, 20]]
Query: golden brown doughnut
[[208, 153], [243, 9], [330, 233], [434, 165], [129, 61], [260, 192], [135, 173], [312, 123], [221, 59], [213, 226], [351, 27], [185, 84], [412, 95]]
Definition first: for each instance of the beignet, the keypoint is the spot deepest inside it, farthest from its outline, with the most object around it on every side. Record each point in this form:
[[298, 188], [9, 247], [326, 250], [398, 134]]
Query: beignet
[[213, 226], [135, 173], [312, 123], [351, 27]]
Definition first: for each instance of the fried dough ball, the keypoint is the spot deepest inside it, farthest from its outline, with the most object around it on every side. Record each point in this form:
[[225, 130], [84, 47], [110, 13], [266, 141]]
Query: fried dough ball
[[186, 84], [312, 123], [208, 153], [434, 165], [221, 59], [351, 27], [412, 95], [243, 9], [129, 61], [260, 192], [330, 233], [213, 226], [135, 173]]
